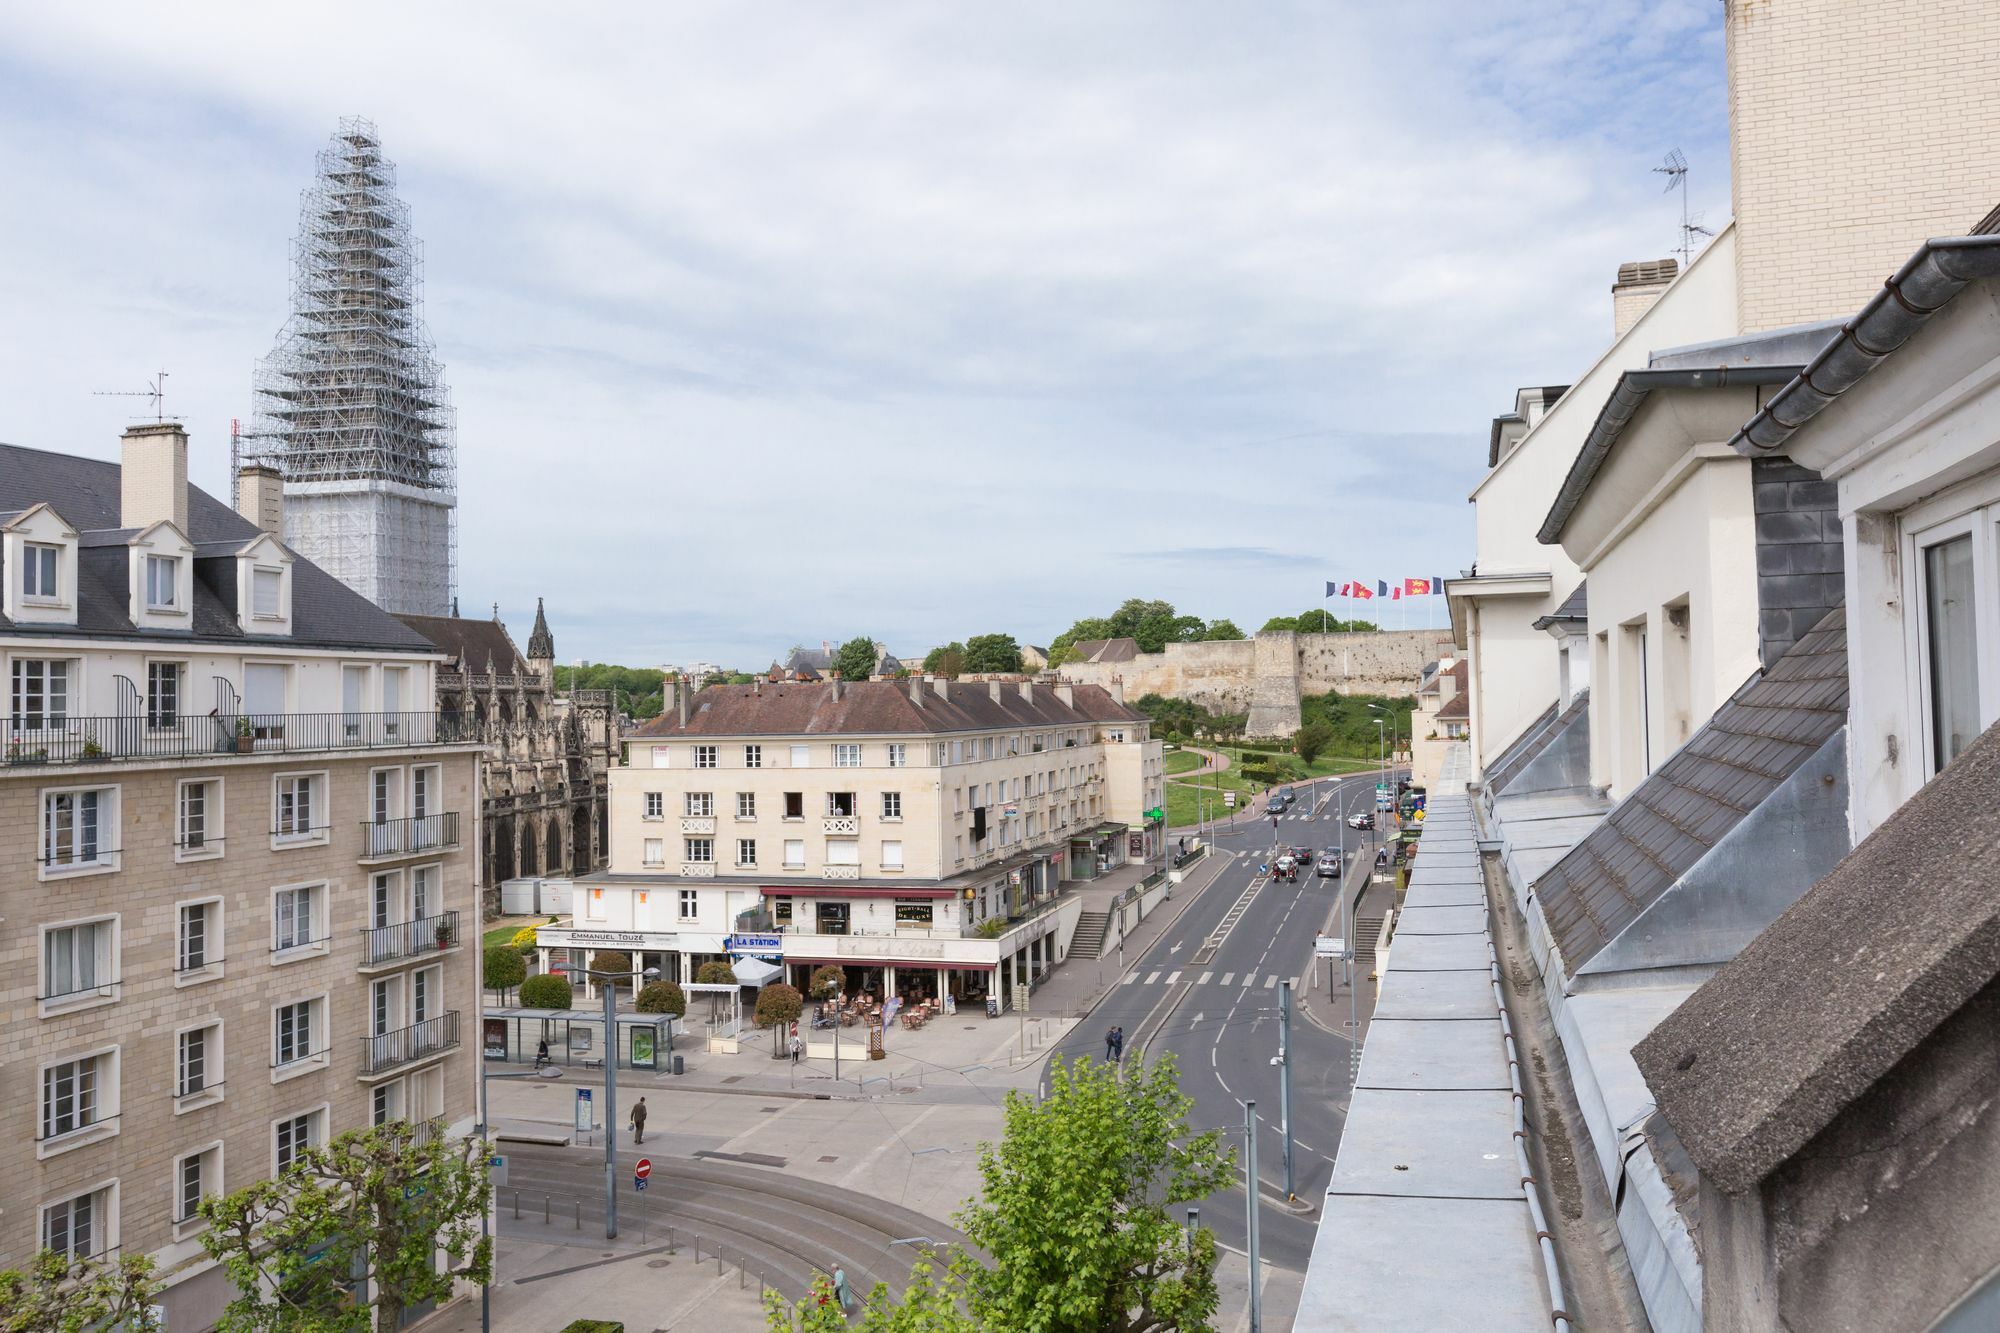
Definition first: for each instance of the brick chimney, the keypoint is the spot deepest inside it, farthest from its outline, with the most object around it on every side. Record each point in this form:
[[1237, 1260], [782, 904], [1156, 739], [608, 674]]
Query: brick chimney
[[260, 497], [153, 476], [1639, 285]]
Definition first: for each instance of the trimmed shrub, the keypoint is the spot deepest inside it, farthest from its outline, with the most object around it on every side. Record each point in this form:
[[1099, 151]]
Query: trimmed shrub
[[715, 974], [524, 939], [505, 968], [778, 1004], [663, 997], [827, 981], [546, 992], [611, 960]]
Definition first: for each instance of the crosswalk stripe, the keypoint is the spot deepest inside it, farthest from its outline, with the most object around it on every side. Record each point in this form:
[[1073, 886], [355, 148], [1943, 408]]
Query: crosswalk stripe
[[1228, 977], [1271, 982], [1249, 980], [1204, 978], [1152, 978], [1173, 976], [1130, 977]]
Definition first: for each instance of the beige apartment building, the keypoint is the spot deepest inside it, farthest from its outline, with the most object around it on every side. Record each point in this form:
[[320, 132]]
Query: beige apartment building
[[917, 832], [240, 871]]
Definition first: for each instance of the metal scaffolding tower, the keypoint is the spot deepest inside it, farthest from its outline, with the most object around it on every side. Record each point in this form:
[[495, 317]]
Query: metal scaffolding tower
[[351, 405]]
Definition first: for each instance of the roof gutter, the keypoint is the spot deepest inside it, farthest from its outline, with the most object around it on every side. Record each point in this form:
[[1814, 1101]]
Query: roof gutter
[[1924, 285], [1632, 390]]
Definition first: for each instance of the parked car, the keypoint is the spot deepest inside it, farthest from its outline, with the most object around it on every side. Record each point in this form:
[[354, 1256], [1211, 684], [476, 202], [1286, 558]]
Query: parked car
[[1362, 820], [1330, 863]]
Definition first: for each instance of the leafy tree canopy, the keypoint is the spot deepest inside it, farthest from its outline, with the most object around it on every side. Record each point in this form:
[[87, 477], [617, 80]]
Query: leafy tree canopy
[[992, 652], [636, 690], [855, 659], [715, 974], [1312, 740], [1154, 624], [826, 981], [611, 960], [375, 1203], [546, 992], [778, 1004], [947, 660], [505, 968], [1318, 621], [59, 1293], [662, 997], [1222, 629]]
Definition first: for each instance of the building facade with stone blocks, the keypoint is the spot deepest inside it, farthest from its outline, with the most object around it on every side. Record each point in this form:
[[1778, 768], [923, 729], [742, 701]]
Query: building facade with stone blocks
[[547, 754], [922, 826], [241, 863]]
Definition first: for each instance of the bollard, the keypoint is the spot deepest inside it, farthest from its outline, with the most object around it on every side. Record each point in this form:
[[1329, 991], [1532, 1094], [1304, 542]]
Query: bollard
[[545, 1210], [670, 1240], [579, 1214], [697, 1248], [517, 1205]]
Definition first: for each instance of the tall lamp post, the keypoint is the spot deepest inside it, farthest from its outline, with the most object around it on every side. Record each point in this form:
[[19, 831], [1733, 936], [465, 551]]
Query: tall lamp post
[[486, 1214], [611, 1088]]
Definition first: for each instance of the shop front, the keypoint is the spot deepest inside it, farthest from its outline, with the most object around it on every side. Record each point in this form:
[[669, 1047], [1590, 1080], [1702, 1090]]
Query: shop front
[[1101, 850]]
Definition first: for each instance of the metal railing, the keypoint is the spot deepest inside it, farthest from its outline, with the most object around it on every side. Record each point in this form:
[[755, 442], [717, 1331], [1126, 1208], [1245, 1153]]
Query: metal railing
[[408, 939], [411, 836], [92, 740], [409, 1044]]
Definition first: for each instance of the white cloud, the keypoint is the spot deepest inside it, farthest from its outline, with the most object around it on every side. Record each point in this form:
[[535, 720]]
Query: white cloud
[[774, 325]]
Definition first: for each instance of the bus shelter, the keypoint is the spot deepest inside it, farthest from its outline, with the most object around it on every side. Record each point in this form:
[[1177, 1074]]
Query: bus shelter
[[576, 1037]]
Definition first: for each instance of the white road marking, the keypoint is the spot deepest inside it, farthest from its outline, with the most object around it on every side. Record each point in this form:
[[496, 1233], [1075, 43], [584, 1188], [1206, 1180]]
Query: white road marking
[[1152, 978], [1271, 982], [1249, 980], [1173, 976], [1130, 977], [1228, 977], [1204, 978]]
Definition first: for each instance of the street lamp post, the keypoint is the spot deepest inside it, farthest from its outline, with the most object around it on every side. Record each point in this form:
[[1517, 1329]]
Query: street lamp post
[[486, 1214], [611, 1089]]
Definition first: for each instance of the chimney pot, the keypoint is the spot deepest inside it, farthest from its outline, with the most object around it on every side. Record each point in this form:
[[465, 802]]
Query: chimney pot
[[260, 497], [917, 691], [943, 688], [993, 690], [153, 475], [1639, 284], [1067, 693], [1028, 690]]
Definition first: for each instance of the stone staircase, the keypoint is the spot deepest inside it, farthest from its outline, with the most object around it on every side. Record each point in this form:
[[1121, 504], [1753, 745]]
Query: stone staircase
[[1367, 930], [1088, 940]]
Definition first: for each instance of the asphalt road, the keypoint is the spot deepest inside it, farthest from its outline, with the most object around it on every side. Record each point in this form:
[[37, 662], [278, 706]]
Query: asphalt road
[[1215, 1007]]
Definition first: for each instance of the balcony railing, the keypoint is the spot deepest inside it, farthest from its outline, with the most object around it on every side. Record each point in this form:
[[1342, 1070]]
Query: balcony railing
[[408, 1045], [91, 740], [412, 836], [408, 939]]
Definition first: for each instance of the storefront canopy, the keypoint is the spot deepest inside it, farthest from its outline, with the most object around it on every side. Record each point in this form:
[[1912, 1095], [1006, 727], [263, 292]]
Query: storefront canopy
[[755, 971]]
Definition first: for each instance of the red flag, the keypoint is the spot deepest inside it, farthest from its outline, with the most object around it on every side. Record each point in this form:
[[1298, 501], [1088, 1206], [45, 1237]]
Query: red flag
[[1363, 590], [1417, 587], [1395, 593]]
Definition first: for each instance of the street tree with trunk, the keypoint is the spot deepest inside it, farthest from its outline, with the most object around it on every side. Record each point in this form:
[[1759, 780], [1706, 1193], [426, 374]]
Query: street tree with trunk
[[778, 1005], [715, 974], [505, 968], [382, 1204], [826, 982], [930, 1304], [1312, 741], [662, 997], [61, 1293]]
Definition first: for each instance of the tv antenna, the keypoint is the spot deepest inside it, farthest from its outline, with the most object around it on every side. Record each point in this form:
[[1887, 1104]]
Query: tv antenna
[[1675, 169], [155, 391]]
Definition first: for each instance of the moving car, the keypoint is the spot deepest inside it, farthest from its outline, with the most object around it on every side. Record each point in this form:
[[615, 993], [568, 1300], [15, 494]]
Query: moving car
[[1286, 868], [1280, 802], [1362, 820], [1329, 863]]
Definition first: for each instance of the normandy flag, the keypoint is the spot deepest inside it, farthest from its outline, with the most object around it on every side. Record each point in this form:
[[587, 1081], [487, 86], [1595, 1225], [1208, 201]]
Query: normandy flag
[[1360, 590], [1416, 587]]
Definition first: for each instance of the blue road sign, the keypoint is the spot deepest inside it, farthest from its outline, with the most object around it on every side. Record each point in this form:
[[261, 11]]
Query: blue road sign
[[638, 1182]]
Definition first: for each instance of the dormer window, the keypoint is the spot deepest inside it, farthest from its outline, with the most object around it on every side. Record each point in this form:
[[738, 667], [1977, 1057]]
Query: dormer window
[[38, 572], [267, 589], [162, 583]]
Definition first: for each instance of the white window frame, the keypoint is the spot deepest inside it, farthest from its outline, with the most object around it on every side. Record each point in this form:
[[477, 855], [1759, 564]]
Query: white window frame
[[690, 905], [798, 862], [319, 941], [847, 754], [214, 1071], [38, 558], [753, 756], [171, 566], [106, 967], [899, 755], [746, 806], [892, 807], [318, 1025], [389, 1091], [214, 843], [705, 756], [51, 718], [653, 852], [1921, 531], [214, 953], [698, 805], [110, 853], [896, 865], [168, 719], [276, 583], [316, 1130], [209, 1155], [653, 806], [704, 845], [748, 845], [801, 756], [319, 821], [105, 1099], [107, 1225]]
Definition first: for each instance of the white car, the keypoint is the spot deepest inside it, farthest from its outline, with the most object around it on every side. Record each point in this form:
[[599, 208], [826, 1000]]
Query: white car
[[1362, 820]]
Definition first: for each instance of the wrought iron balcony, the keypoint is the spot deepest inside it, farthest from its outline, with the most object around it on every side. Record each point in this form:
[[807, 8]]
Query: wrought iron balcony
[[408, 939], [408, 1045], [413, 836], [71, 739]]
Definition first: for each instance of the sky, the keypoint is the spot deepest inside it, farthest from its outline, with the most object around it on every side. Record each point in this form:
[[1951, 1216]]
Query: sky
[[767, 325]]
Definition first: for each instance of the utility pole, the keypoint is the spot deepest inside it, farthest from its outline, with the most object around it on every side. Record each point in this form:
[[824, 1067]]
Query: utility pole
[[1250, 1229], [1285, 1074]]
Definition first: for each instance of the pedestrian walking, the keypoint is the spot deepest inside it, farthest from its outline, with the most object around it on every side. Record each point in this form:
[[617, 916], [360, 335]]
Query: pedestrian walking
[[1118, 1045], [1110, 1044], [639, 1122], [798, 1048], [840, 1287]]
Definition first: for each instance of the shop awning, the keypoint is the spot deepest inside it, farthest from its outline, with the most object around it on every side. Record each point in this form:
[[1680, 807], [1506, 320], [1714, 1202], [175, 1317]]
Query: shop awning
[[857, 891], [900, 964], [755, 971]]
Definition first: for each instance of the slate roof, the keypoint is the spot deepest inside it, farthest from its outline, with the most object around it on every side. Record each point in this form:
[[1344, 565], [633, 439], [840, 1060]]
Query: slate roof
[[326, 613], [1459, 706], [1575, 609], [1105, 650], [471, 643], [1670, 821], [1531, 742], [881, 707], [1851, 979]]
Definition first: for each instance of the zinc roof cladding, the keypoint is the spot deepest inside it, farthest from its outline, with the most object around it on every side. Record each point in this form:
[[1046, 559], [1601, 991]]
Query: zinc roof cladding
[[1575, 609], [1853, 977], [880, 707], [1670, 821], [85, 492], [470, 642]]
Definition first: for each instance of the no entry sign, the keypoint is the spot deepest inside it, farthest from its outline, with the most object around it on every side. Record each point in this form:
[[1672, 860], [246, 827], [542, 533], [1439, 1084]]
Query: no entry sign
[[644, 1169]]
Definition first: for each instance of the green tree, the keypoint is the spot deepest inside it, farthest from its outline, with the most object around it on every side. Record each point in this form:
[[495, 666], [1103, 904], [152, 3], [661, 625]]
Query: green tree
[[855, 659], [715, 974], [1075, 1207], [826, 982], [505, 968], [546, 992], [612, 961], [992, 652], [929, 1305], [60, 1293], [1312, 741], [374, 1203], [662, 997], [1223, 629], [777, 1005], [1280, 624], [1083, 631], [635, 690], [1153, 624], [947, 660]]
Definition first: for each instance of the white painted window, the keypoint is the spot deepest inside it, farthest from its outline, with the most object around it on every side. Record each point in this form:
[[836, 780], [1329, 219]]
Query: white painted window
[[801, 756], [40, 693], [746, 805], [267, 593], [846, 755], [296, 804], [196, 1176], [892, 805], [162, 583], [79, 828], [295, 915], [898, 755], [892, 855], [295, 1033], [701, 851], [424, 900], [198, 1061], [698, 804], [198, 936], [843, 851], [38, 572], [690, 904], [264, 692], [77, 1095], [79, 961], [746, 851], [425, 984], [655, 851], [753, 756], [662, 755], [386, 1102], [80, 1226], [656, 806], [1951, 646], [795, 853], [704, 756], [163, 694], [294, 1134]]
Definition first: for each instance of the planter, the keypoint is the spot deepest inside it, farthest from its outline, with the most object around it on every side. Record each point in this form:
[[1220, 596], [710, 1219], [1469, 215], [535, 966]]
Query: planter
[[243, 744]]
